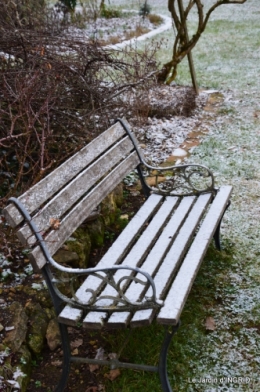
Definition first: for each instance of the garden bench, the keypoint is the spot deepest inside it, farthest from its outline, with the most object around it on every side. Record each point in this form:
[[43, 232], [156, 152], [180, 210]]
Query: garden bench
[[147, 273]]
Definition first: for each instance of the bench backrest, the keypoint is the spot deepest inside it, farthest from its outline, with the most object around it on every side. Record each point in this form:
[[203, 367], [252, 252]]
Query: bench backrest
[[60, 202]]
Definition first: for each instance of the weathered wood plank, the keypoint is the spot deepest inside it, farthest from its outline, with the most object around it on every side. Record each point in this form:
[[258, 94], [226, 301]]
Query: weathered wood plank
[[48, 186], [80, 212], [94, 320], [70, 316], [122, 244], [183, 282], [69, 195], [156, 255], [167, 270], [118, 320]]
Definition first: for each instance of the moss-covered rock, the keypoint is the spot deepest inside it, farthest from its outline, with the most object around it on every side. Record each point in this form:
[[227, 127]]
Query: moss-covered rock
[[119, 195], [53, 335], [25, 367], [38, 327], [65, 256], [96, 232], [80, 243], [18, 324], [109, 209]]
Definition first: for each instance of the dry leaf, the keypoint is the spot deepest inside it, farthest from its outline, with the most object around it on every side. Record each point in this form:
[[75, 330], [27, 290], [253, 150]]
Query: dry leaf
[[93, 368], [100, 354], [112, 356], [55, 223], [92, 389], [75, 352], [210, 324], [56, 363], [98, 388], [113, 374], [76, 343]]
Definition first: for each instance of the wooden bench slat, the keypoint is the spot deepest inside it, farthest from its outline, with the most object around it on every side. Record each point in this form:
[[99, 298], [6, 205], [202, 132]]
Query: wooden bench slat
[[153, 260], [180, 289], [49, 185], [173, 258], [118, 249], [80, 212], [94, 320], [70, 316], [74, 190], [140, 249]]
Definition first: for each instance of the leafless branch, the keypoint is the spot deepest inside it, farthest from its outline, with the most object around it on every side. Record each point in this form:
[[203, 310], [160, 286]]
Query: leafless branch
[[182, 46]]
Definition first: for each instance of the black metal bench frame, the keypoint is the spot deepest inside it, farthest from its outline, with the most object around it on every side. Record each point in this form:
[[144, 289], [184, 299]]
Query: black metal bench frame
[[178, 183]]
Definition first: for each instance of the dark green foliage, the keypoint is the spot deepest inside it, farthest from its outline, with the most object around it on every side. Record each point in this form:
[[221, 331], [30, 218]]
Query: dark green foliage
[[145, 9], [109, 12], [70, 4]]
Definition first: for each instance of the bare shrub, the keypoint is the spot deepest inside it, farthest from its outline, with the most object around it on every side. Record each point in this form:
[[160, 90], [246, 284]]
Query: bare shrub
[[56, 93], [155, 19]]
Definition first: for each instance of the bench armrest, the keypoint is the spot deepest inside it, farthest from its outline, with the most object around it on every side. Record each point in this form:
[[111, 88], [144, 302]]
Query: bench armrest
[[178, 180], [107, 278]]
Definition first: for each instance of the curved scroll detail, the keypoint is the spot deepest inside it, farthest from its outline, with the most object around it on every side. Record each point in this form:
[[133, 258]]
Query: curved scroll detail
[[108, 303], [106, 276], [182, 180]]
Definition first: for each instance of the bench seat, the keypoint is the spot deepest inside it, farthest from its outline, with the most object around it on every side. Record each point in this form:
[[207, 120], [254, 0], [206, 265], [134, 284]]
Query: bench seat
[[176, 227]]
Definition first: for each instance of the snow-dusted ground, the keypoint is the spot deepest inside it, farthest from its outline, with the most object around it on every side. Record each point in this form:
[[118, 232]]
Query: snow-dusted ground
[[227, 59], [109, 30]]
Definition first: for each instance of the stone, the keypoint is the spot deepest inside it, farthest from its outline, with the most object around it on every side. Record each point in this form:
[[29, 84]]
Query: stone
[[96, 233], [179, 153], [151, 181], [19, 319], [53, 335], [63, 256], [38, 327], [119, 195], [124, 217], [108, 209], [80, 243], [25, 366]]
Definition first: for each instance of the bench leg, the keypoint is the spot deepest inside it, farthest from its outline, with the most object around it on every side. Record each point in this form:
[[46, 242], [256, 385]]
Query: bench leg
[[217, 232], [66, 358], [169, 332], [217, 237]]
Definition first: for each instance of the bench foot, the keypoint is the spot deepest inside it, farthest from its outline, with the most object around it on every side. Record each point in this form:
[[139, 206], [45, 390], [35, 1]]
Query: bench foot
[[169, 332], [66, 358]]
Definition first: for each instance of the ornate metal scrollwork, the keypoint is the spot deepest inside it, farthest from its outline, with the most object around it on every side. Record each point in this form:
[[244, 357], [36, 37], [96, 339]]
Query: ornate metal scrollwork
[[177, 180], [101, 302], [106, 275], [182, 180]]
